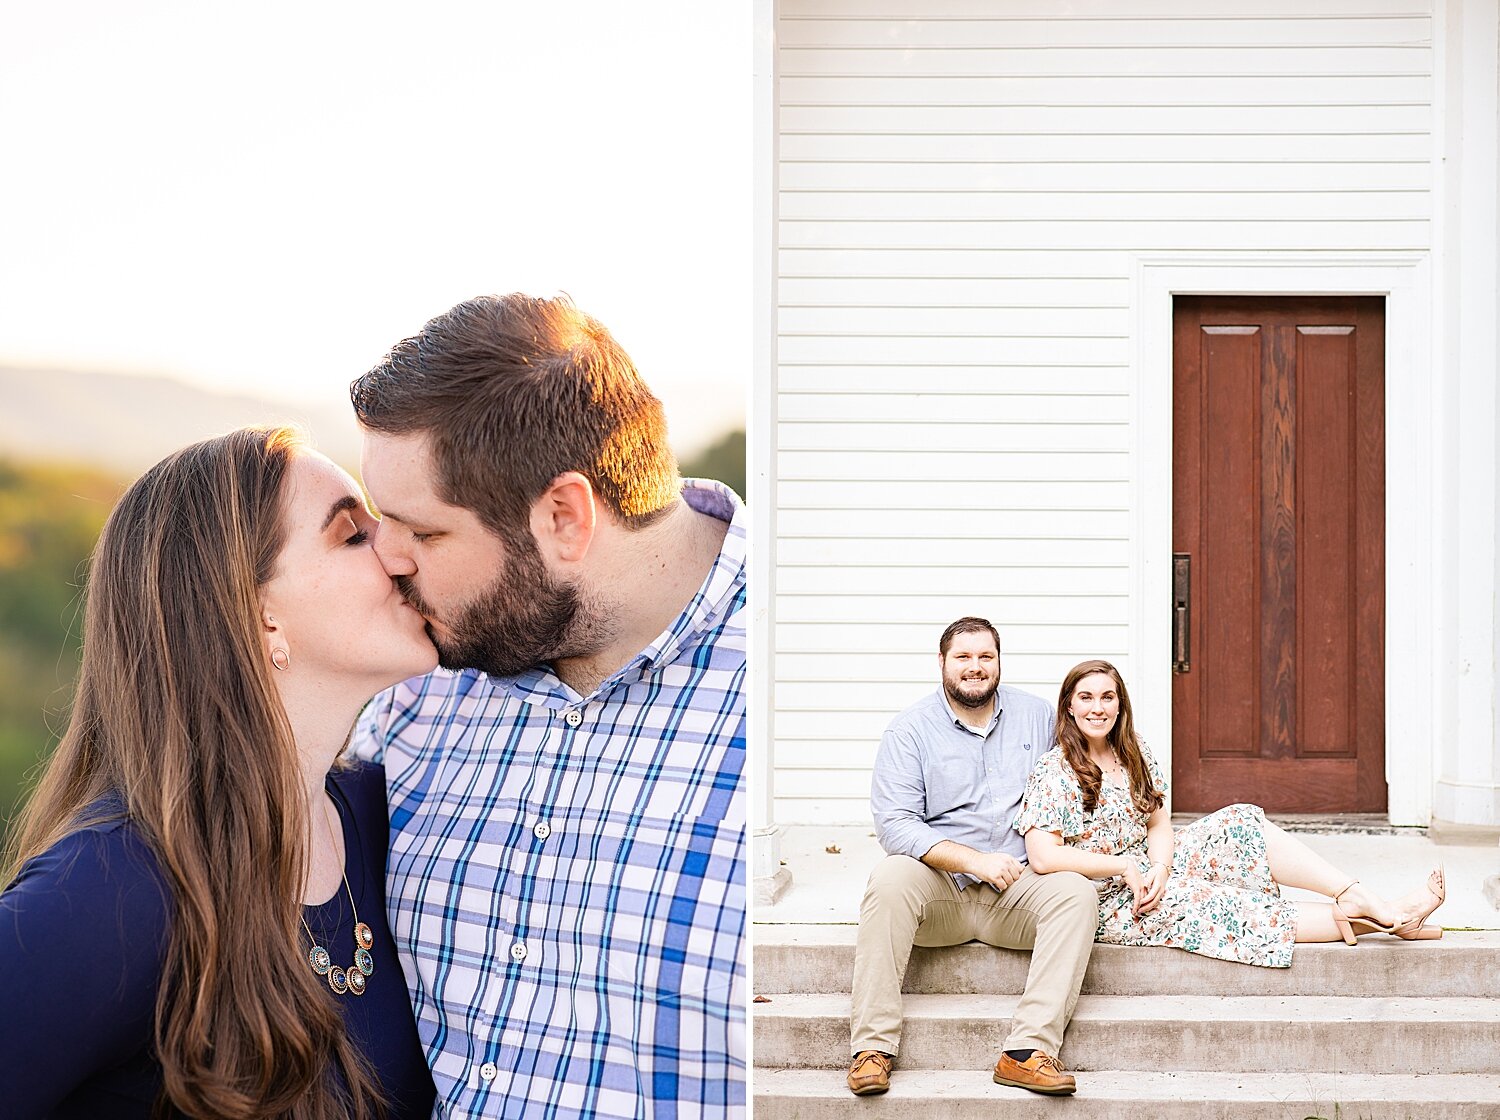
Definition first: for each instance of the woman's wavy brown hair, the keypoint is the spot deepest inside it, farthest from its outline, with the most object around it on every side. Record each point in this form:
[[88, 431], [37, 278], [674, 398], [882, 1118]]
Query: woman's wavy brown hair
[[1146, 797], [176, 712]]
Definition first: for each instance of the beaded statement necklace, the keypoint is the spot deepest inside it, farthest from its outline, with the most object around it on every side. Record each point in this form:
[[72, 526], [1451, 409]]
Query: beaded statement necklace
[[354, 978]]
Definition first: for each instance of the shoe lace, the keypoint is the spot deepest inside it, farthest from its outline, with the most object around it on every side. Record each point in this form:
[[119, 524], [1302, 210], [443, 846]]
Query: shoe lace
[[869, 1056], [1047, 1061]]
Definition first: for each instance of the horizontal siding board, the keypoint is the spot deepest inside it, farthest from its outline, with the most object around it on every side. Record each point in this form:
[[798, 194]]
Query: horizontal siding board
[[962, 493], [955, 436], [1105, 60], [1058, 120], [894, 292], [902, 641], [1264, 147], [935, 609], [1310, 202], [1103, 233], [860, 262], [893, 579], [861, 552], [905, 351], [828, 753], [1288, 92], [1005, 378], [967, 525], [947, 408], [1002, 26], [820, 783], [1073, 180], [939, 466], [1045, 322]]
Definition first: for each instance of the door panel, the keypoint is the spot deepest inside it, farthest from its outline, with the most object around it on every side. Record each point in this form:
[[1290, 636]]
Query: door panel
[[1278, 497]]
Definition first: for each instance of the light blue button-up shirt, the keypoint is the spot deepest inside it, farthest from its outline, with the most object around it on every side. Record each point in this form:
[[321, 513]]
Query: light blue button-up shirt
[[937, 779]]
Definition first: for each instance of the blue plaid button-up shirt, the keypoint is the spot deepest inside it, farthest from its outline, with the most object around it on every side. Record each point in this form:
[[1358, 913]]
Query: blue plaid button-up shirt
[[567, 873]]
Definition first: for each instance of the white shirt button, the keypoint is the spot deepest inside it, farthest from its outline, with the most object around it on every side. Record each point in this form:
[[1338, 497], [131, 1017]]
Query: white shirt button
[[518, 951], [488, 1071], [573, 717], [541, 830]]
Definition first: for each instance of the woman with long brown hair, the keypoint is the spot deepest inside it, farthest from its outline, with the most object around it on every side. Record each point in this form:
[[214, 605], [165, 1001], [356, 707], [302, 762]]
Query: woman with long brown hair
[[1095, 805], [196, 915]]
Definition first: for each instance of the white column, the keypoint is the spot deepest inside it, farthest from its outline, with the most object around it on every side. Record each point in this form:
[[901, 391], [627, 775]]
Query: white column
[[770, 878], [1467, 747]]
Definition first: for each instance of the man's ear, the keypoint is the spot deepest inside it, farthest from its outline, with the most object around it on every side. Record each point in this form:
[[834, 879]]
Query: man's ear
[[564, 518]]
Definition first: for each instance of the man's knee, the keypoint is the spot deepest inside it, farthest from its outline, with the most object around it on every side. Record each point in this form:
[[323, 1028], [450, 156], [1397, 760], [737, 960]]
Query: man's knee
[[898, 881], [1069, 893]]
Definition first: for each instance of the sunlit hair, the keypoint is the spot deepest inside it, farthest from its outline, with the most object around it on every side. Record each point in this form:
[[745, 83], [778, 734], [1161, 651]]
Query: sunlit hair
[[969, 624], [513, 391], [176, 713], [1122, 737]]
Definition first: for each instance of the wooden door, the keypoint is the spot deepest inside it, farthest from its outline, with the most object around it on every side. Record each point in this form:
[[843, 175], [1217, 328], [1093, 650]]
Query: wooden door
[[1278, 491]]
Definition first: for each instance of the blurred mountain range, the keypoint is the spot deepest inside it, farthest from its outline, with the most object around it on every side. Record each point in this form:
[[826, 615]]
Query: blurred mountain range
[[122, 423]]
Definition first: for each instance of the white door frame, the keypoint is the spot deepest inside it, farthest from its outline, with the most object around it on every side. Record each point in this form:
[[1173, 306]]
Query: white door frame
[[1413, 528]]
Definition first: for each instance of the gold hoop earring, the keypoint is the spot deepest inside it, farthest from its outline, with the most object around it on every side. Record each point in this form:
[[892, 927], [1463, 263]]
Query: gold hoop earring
[[281, 659]]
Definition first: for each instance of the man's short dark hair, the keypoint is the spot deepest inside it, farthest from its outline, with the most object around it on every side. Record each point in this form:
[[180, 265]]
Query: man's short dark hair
[[969, 624], [514, 390]]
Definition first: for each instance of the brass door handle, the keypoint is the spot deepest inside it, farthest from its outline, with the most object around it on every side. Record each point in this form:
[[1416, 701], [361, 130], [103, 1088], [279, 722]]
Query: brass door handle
[[1182, 608]]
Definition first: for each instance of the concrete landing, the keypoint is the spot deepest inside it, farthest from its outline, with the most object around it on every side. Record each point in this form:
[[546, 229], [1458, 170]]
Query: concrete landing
[[829, 866]]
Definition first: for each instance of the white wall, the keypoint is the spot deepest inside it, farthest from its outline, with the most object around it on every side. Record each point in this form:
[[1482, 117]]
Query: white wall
[[964, 187]]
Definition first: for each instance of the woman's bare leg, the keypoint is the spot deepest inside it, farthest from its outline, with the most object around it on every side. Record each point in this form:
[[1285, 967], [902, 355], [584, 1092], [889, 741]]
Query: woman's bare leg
[[1315, 923], [1294, 864]]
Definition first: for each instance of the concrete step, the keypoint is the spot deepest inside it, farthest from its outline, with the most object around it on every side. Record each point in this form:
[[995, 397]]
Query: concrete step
[[798, 1094], [1450, 1035], [820, 958]]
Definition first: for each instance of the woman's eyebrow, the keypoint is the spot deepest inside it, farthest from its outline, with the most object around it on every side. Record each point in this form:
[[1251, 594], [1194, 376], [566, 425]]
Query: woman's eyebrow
[[347, 502]]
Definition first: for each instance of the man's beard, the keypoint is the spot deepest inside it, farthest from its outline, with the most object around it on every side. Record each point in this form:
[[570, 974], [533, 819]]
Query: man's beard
[[970, 700], [521, 620]]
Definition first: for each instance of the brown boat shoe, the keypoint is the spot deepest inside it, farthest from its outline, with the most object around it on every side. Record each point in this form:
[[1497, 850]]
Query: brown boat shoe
[[1041, 1073], [870, 1072]]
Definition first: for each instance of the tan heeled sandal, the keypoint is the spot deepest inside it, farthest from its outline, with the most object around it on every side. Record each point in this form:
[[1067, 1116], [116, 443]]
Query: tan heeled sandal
[[1413, 929]]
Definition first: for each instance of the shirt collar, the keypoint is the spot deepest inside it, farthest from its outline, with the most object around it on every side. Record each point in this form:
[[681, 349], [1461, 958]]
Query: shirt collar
[[988, 727], [715, 598]]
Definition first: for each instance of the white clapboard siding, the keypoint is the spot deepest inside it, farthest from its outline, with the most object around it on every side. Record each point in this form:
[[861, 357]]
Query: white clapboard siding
[[903, 494], [892, 292], [933, 609], [1062, 120], [800, 410], [1153, 148], [982, 437], [964, 185], [1017, 380]]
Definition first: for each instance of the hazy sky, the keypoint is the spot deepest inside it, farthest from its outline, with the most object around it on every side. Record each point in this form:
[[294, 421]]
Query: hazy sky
[[265, 196]]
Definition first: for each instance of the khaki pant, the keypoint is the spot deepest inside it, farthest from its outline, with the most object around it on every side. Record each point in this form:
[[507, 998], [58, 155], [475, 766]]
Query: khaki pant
[[908, 903]]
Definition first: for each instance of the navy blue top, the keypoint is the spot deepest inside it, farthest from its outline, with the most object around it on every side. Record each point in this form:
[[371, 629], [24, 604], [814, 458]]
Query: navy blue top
[[82, 933]]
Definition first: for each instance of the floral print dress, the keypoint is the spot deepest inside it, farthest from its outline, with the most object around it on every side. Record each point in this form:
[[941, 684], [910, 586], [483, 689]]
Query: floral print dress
[[1220, 900]]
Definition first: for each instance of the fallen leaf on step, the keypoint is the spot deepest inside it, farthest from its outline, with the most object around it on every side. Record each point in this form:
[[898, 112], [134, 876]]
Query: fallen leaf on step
[[761, 999], [833, 849]]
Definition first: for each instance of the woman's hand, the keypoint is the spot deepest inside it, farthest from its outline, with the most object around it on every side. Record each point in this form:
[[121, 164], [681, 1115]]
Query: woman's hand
[[1154, 886], [1145, 889]]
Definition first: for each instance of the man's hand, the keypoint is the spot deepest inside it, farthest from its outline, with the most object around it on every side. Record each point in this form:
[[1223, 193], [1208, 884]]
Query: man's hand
[[995, 868]]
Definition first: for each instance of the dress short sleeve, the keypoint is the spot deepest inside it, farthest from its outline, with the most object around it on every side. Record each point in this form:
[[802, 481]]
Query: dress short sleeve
[[1158, 779], [1052, 802]]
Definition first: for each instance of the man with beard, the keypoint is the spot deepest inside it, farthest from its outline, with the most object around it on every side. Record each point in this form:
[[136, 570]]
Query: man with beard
[[947, 785], [566, 872]]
